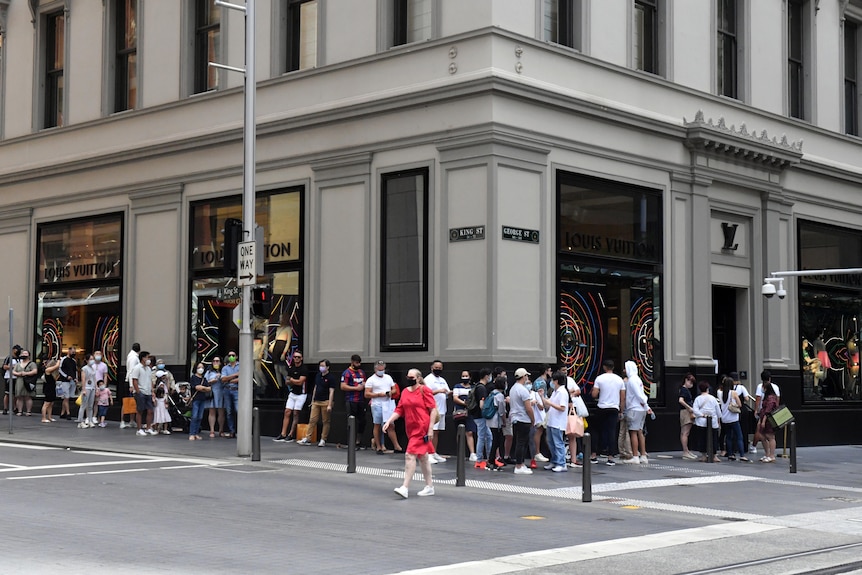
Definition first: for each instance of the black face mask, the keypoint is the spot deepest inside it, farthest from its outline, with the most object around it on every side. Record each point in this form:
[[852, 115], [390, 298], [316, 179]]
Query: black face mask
[[437, 371], [465, 380]]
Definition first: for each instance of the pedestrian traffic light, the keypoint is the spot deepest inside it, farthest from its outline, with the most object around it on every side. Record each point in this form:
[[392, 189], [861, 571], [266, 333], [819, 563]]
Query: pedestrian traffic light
[[232, 237], [261, 301]]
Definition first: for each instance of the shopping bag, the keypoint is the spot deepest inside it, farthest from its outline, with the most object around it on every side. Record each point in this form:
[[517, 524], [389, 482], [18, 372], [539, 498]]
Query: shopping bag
[[130, 407]]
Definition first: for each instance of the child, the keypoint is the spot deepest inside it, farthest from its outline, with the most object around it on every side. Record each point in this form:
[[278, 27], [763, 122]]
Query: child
[[103, 400], [161, 418]]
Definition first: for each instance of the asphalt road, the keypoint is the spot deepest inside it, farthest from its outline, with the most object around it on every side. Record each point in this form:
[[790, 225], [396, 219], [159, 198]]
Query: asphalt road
[[87, 503]]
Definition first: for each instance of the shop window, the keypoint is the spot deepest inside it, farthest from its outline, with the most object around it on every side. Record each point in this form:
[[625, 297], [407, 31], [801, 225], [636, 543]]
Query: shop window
[[207, 45], [125, 33], [215, 298], [55, 63], [301, 37], [78, 288], [830, 307], [404, 239], [561, 22]]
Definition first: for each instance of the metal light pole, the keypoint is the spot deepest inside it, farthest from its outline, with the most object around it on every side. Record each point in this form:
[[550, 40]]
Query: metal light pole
[[246, 341]]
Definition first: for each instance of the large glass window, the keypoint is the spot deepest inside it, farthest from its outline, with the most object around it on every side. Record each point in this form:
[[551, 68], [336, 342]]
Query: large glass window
[[728, 39], [830, 307], [214, 298], [561, 22], [126, 53], [207, 44], [78, 288], [55, 57], [609, 247], [404, 290], [412, 21], [301, 34]]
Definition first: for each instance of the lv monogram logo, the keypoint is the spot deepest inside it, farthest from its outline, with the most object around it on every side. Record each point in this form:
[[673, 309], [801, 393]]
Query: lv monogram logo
[[729, 231]]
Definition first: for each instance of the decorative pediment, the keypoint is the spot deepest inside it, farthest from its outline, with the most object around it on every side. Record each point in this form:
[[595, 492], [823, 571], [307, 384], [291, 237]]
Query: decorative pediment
[[740, 145]]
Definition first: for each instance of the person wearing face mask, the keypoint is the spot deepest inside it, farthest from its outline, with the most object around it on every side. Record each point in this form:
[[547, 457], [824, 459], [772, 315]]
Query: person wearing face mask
[[100, 372], [435, 382], [325, 383], [167, 378], [558, 409], [230, 381], [378, 389], [133, 360], [25, 373], [103, 400], [460, 394], [142, 383], [200, 391], [88, 393], [296, 378], [215, 402], [68, 376]]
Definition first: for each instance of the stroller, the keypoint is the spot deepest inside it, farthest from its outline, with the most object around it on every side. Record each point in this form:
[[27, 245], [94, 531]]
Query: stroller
[[179, 408]]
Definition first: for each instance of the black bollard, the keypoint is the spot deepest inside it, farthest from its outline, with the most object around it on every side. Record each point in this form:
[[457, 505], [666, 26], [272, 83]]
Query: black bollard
[[351, 444], [710, 448], [255, 434], [460, 481], [792, 447], [587, 480]]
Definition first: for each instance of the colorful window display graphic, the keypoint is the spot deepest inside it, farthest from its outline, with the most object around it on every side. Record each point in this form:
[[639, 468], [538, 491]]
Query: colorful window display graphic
[[609, 314]]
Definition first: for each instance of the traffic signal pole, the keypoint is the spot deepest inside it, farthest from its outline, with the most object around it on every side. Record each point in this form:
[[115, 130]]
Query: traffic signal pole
[[246, 340]]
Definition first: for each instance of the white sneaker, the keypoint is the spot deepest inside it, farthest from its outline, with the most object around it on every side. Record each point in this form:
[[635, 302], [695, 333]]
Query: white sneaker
[[94, 420], [630, 460], [303, 441], [321, 443], [431, 459], [549, 467], [752, 449], [82, 425], [473, 457], [140, 432], [402, 491], [559, 469], [165, 432], [542, 458], [438, 458], [523, 470], [151, 431], [426, 491], [123, 424], [644, 460], [132, 424]]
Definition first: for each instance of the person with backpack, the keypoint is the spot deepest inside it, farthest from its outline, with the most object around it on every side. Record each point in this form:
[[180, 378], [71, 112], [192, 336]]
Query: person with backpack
[[474, 410], [494, 414], [731, 407], [463, 392]]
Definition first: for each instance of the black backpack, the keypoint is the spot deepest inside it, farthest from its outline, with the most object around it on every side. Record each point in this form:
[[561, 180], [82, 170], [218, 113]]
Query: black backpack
[[472, 404]]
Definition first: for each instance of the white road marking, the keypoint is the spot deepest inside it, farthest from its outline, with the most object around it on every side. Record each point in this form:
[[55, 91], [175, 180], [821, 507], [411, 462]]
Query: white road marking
[[27, 446], [588, 551], [105, 472], [87, 464]]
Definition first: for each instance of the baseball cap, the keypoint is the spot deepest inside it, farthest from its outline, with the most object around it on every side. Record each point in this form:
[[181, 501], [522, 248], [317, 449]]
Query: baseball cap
[[734, 376], [18, 347], [380, 362], [521, 372], [160, 373]]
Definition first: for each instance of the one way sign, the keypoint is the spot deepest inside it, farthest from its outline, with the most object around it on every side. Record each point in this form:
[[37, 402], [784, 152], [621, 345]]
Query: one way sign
[[246, 265]]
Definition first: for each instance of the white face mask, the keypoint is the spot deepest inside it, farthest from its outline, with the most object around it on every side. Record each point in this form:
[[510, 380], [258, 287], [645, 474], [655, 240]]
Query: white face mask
[[381, 372], [92, 362], [98, 358], [200, 371], [148, 362]]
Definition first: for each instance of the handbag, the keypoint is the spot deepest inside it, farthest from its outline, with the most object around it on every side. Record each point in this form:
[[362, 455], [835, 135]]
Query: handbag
[[79, 400], [580, 406], [575, 424], [732, 405]]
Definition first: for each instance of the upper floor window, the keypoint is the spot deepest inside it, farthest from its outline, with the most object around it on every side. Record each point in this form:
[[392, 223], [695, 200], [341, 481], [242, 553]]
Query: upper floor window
[[645, 36], [413, 21], [561, 22], [404, 241], [797, 58], [126, 55], [207, 21], [55, 56], [851, 78], [727, 64], [301, 34]]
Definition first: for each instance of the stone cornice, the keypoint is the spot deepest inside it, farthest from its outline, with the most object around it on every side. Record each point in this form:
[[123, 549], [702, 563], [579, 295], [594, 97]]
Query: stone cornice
[[740, 145]]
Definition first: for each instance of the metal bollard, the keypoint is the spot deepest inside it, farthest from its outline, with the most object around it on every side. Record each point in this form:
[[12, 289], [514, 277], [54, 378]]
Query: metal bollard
[[255, 434], [587, 479], [460, 481], [792, 447], [351, 444], [710, 448]]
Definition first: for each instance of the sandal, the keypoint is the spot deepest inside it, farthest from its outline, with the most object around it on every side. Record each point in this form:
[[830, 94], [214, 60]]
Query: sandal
[[745, 459], [212, 433], [223, 434], [192, 438]]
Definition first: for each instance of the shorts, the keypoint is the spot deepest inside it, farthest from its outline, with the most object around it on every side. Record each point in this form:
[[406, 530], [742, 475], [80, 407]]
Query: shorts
[[440, 425], [508, 430], [143, 402], [295, 401], [67, 387], [685, 417], [103, 410], [469, 424], [377, 413], [636, 419]]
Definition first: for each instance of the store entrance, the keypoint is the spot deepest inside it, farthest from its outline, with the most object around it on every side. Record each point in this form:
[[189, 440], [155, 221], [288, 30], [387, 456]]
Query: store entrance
[[724, 334]]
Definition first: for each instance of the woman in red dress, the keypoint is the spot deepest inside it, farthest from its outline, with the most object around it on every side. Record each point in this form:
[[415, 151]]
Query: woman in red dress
[[419, 410]]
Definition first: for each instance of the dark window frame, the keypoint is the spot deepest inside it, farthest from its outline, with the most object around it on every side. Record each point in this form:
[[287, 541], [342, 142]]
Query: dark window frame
[[727, 50], [385, 344], [851, 77], [649, 36], [567, 32], [400, 23], [124, 53], [293, 35], [55, 50], [202, 29], [796, 63]]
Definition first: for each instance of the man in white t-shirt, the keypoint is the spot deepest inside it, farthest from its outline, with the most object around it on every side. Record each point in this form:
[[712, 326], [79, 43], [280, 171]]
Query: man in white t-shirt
[[435, 382], [765, 376], [378, 388], [133, 360], [610, 390]]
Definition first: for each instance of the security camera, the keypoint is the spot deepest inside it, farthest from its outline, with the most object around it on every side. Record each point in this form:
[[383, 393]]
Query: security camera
[[781, 292], [768, 290]]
